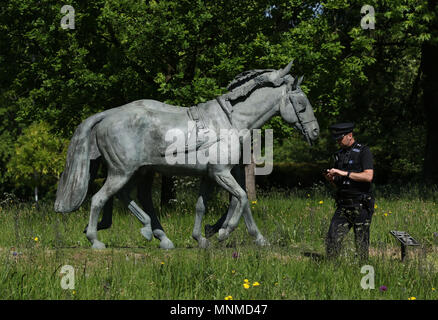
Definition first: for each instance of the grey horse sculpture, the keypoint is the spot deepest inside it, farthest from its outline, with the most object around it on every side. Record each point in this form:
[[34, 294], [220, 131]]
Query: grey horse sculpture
[[131, 140], [144, 195]]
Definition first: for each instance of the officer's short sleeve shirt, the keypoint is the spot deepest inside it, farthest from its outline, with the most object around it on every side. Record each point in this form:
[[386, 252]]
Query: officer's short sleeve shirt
[[348, 187], [366, 158]]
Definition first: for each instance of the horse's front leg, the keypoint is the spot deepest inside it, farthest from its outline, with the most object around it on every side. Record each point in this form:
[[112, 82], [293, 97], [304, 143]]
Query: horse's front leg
[[211, 230], [238, 172], [251, 226], [223, 177], [201, 207], [253, 230]]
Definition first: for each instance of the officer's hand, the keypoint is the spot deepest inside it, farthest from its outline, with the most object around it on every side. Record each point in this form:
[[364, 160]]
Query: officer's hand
[[328, 175], [336, 172]]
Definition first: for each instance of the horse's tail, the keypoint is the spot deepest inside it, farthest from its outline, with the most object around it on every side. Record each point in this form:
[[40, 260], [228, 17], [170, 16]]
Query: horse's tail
[[73, 185]]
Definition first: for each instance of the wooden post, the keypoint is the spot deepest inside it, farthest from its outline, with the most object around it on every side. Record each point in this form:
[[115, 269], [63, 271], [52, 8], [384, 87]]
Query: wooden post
[[35, 177], [403, 252], [250, 180]]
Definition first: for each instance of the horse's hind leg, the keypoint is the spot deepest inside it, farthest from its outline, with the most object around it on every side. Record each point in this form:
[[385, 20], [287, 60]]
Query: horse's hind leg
[[112, 185], [107, 216], [144, 194], [142, 216], [201, 207]]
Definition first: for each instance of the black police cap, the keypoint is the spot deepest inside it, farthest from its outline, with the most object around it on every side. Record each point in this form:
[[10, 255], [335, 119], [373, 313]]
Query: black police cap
[[340, 129]]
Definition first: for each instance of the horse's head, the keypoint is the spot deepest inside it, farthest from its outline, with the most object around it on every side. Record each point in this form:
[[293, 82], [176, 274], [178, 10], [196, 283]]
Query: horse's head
[[297, 110], [292, 104]]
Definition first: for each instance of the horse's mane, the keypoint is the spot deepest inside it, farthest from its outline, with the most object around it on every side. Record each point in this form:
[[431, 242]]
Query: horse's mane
[[246, 76]]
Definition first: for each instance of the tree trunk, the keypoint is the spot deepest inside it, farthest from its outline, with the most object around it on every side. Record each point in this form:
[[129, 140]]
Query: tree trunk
[[429, 68]]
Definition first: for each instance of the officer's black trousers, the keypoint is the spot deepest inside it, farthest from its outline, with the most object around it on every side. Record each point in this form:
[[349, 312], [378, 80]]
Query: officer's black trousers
[[344, 218]]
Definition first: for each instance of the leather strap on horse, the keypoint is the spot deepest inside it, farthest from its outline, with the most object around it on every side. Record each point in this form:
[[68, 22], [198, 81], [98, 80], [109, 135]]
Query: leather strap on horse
[[196, 114], [226, 106]]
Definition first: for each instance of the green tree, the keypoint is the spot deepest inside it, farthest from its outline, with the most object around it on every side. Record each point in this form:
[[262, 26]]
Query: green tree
[[38, 158], [185, 52]]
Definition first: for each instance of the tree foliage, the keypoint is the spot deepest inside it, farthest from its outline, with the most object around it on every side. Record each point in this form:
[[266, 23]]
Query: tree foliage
[[38, 158], [185, 52]]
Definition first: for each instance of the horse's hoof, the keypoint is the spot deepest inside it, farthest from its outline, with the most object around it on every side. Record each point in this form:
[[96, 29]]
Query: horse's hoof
[[223, 234], [203, 243], [146, 232], [98, 245], [261, 241], [166, 244]]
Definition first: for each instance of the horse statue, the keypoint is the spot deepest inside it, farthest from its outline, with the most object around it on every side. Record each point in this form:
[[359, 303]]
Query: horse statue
[[132, 140]]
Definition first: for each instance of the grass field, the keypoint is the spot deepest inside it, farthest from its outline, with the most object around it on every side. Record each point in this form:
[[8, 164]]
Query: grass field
[[36, 242]]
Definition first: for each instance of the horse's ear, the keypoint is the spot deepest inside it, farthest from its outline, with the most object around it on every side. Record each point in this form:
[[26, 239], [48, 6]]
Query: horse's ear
[[295, 83], [286, 70]]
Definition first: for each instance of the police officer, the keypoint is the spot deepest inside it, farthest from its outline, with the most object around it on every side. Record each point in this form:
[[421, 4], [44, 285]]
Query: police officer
[[352, 175]]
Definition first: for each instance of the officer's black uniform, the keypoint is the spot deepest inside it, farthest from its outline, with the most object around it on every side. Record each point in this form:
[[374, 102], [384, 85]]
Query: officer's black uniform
[[355, 202]]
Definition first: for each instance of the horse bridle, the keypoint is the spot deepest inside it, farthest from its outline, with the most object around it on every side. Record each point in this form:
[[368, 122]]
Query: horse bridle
[[300, 121]]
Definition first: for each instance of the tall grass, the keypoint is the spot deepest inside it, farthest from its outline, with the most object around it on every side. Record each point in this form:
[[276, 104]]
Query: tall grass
[[36, 242]]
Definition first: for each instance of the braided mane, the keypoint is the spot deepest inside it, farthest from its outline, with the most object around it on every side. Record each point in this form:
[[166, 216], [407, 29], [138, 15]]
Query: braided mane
[[246, 76]]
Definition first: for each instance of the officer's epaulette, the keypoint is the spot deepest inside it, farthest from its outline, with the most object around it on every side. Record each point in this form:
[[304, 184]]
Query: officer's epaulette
[[358, 147]]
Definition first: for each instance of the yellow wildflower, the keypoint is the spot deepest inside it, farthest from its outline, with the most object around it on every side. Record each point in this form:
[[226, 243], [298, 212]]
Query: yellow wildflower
[[245, 285], [254, 202], [321, 202], [233, 271], [36, 239], [246, 281], [375, 206], [255, 284], [433, 289], [228, 298], [74, 292], [412, 298], [385, 214]]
